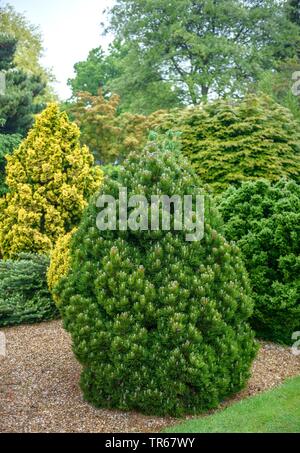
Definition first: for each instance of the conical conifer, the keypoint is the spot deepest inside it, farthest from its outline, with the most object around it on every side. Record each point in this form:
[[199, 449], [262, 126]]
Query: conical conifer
[[50, 177], [158, 323]]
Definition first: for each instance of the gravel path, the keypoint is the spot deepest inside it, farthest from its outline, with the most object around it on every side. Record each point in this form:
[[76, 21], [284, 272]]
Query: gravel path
[[39, 389]]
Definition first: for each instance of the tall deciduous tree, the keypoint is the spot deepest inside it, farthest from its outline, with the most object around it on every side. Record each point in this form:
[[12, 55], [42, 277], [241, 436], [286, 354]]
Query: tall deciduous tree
[[141, 88], [204, 47], [278, 82], [97, 71]]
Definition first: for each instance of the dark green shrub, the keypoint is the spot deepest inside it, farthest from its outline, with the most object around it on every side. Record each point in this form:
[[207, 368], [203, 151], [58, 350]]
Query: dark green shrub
[[159, 324], [229, 142], [7, 145], [24, 296], [264, 220]]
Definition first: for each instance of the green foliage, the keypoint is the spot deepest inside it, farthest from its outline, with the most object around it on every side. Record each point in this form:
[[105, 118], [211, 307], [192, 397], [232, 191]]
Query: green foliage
[[18, 103], [159, 324], [112, 171], [119, 71], [293, 9], [96, 72], [28, 37], [24, 295], [109, 135], [202, 48], [279, 84], [264, 220], [8, 47], [7, 144], [140, 85], [230, 142], [278, 81]]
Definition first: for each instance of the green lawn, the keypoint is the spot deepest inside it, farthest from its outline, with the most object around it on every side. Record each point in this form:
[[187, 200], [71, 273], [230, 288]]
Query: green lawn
[[276, 411]]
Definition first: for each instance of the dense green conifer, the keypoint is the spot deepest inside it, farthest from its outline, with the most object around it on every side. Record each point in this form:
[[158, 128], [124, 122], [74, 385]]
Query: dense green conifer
[[159, 324]]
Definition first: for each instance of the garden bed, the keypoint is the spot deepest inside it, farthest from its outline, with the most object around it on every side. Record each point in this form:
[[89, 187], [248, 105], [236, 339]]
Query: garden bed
[[39, 389]]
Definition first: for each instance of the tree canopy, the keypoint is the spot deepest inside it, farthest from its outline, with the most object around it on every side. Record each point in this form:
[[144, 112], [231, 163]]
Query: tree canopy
[[203, 48], [140, 87], [29, 40]]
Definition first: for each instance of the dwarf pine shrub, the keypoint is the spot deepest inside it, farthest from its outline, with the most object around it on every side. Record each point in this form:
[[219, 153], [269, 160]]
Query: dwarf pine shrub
[[159, 324], [264, 220]]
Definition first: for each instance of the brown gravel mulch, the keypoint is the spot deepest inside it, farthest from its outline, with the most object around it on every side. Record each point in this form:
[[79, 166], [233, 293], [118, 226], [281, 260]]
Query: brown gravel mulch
[[39, 389]]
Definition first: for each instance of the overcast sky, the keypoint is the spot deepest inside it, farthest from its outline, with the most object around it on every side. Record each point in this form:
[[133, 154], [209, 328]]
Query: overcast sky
[[70, 28]]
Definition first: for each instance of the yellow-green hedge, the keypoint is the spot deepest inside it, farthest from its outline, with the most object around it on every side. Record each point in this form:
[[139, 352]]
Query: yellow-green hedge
[[59, 263]]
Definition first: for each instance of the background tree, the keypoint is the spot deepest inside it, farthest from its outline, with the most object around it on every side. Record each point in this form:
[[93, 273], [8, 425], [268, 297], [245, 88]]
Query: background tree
[[19, 102], [29, 42], [294, 11], [109, 135], [203, 47], [97, 71], [229, 142], [264, 221], [140, 88], [277, 82], [7, 144], [8, 47]]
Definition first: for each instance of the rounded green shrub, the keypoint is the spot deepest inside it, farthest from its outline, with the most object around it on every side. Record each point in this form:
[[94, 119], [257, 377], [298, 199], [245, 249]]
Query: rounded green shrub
[[24, 295], [230, 142], [264, 220], [159, 324]]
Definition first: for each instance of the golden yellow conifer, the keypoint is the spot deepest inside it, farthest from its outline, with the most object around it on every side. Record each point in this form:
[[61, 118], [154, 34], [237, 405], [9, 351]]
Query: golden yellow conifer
[[50, 179], [59, 263]]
